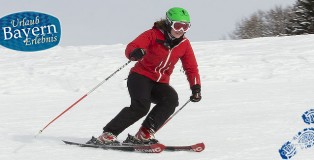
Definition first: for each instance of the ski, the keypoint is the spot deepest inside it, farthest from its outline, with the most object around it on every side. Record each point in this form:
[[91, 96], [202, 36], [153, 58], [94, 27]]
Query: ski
[[154, 148], [199, 147]]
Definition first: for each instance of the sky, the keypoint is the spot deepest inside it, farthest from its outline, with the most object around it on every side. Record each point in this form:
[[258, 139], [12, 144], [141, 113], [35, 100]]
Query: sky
[[105, 22]]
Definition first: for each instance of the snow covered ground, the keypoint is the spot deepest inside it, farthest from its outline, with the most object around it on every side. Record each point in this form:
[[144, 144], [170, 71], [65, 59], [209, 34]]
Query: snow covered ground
[[254, 93]]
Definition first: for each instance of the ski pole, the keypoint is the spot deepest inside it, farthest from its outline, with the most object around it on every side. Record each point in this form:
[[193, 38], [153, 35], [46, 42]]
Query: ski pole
[[92, 90], [174, 114]]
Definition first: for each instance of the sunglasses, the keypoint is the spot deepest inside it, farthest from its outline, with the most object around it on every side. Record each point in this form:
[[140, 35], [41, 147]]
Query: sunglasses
[[177, 26]]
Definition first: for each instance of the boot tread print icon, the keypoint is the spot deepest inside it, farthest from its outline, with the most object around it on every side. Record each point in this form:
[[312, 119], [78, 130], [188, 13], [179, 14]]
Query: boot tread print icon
[[287, 150], [308, 117], [303, 140]]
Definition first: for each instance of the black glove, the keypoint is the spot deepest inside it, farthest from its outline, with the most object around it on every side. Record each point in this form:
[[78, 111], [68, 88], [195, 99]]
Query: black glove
[[196, 93], [137, 54]]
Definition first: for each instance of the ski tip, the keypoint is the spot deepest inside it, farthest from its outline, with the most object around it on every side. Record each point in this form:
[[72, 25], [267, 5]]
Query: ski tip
[[65, 141], [69, 142], [199, 147]]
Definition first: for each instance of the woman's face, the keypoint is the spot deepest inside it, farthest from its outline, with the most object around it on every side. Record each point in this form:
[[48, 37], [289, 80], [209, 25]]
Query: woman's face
[[176, 34]]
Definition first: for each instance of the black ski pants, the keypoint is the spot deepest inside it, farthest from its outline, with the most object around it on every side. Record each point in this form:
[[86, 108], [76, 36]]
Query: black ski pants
[[143, 91]]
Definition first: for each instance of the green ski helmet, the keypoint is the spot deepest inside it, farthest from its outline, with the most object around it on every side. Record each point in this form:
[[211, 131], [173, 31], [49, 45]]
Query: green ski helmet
[[178, 14]]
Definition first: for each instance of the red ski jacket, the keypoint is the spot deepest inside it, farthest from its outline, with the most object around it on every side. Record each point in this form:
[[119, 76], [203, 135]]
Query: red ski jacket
[[159, 61]]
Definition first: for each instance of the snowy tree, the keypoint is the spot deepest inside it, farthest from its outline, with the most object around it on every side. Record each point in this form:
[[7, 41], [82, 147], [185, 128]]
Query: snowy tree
[[251, 27], [263, 24], [303, 22], [277, 20]]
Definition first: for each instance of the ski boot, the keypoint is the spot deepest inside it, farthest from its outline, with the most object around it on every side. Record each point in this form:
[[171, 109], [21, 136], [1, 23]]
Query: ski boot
[[107, 138], [143, 136]]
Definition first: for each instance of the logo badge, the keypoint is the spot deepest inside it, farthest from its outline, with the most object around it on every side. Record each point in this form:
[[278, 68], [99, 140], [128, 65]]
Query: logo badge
[[29, 31]]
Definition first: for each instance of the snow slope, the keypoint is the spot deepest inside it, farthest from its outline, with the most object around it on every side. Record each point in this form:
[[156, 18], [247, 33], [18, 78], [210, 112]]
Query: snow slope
[[254, 93]]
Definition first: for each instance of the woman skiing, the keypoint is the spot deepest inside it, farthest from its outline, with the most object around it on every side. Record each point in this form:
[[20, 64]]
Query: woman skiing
[[156, 51]]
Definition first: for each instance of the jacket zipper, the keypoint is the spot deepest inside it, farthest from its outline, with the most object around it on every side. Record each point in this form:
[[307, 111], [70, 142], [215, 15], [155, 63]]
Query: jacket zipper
[[165, 64], [159, 71]]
